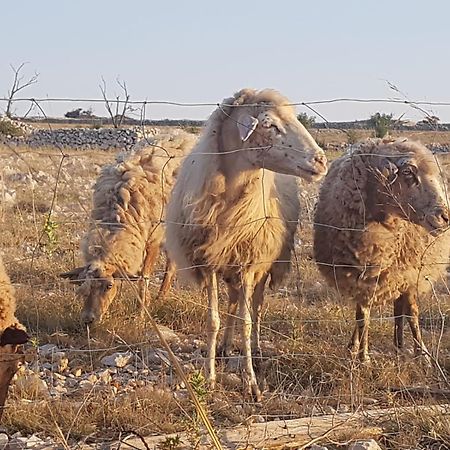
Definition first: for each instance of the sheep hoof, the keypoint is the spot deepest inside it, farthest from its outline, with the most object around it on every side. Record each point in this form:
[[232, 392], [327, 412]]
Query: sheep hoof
[[253, 393], [364, 359], [224, 351]]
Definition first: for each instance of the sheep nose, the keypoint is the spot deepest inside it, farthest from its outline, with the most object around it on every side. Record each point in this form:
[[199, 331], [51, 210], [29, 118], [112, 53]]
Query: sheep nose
[[442, 214], [321, 159], [88, 318]]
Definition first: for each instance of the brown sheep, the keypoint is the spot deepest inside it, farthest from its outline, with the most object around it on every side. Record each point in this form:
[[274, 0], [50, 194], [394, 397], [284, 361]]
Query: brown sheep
[[126, 230], [380, 232], [233, 213]]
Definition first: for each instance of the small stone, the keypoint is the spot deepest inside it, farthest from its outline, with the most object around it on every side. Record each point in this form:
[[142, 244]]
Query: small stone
[[343, 408], [317, 447], [92, 378], [47, 349], [4, 439], [71, 382], [168, 334], [86, 385], [77, 372], [369, 444], [117, 359], [104, 376]]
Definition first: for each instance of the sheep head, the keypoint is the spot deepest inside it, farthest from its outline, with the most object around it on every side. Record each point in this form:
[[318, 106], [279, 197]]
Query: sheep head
[[96, 286], [266, 128], [409, 184]]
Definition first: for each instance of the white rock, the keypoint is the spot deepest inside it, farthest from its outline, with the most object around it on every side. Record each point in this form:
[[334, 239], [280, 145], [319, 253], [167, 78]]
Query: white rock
[[117, 359], [47, 349], [85, 385], [168, 334], [104, 376], [33, 440], [3, 440], [369, 444]]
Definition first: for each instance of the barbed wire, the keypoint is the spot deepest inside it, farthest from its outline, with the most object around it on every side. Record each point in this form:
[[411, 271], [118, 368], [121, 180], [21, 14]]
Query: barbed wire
[[200, 104]]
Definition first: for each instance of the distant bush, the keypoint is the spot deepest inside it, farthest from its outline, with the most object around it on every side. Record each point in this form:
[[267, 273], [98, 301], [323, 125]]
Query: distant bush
[[307, 121], [192, 130], [352, 136], [7, 127], [381, 123]]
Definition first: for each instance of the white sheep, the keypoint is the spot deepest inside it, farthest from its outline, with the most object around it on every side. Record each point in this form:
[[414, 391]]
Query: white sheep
[[380, 232], [126, 230], [232, 212]]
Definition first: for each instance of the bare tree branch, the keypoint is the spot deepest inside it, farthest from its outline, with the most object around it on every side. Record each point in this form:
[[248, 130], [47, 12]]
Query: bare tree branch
[[18, 84], [117, 116]]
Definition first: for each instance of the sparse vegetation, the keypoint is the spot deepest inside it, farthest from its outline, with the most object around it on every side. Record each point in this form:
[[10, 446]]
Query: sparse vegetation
[[8, 128], [306, 120], [381, 123]]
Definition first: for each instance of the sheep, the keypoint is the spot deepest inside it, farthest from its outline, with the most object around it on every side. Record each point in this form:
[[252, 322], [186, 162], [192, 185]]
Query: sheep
[[126, 229], [7, 302], [12, 335], [380, 232], [229, 216]]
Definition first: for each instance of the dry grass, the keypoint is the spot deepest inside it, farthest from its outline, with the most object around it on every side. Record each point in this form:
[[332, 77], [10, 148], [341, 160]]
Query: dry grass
[[305, 330]]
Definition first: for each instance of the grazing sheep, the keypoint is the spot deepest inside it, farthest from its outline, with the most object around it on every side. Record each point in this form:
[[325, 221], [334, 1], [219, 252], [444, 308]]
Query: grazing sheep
[[379, 232], [229, 216], [126, 233]]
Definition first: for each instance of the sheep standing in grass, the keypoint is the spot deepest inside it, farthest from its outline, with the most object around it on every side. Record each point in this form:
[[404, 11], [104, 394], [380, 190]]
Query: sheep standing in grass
[[380, 232], [126, 232], [228, 215]]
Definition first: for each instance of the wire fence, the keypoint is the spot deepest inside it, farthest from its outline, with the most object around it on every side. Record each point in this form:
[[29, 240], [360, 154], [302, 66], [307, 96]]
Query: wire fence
[[304, 362]]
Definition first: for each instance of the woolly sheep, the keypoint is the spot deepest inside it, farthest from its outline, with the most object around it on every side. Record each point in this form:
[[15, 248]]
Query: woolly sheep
[[126, 229], [379, 232], [7, 302], [229, 216]]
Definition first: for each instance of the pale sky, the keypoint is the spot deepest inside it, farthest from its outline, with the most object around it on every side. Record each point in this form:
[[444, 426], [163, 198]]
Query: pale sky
[[203, 51]]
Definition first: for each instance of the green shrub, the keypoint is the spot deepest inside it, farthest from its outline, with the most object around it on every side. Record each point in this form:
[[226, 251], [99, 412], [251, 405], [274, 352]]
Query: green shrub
[[7, 127], [352, 136], [382, 124], [307, 121]]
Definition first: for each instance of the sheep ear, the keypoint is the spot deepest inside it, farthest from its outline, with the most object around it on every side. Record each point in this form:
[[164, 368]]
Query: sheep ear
[[246, 126], [75, 276], [389, 170]]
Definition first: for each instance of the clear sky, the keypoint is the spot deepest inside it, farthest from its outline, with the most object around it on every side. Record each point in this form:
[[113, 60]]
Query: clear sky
[[203, 51]]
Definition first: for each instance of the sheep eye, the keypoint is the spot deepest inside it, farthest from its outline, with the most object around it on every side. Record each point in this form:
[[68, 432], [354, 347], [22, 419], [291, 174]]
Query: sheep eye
[[109, 285], [407, 171], [277, 130]]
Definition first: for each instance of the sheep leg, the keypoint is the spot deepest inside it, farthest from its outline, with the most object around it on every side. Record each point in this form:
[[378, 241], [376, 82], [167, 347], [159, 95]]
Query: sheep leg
[[169, 273], [359, 343], [364, 323], [399, 315], [213, 325], [226, 346], [411, 310], [245, 317], [257, 304], [147, 267]]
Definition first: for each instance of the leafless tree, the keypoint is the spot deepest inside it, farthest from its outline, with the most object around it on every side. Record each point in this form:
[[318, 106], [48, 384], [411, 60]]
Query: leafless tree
[[18, 84], [117, 108]]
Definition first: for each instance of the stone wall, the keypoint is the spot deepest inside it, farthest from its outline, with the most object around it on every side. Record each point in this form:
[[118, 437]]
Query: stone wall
[[82, 138]]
